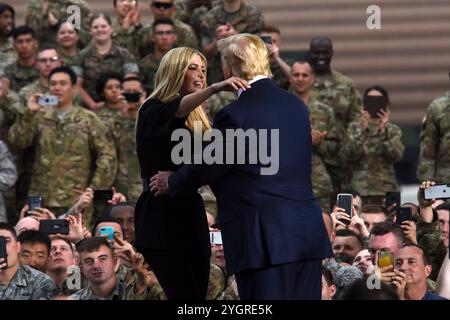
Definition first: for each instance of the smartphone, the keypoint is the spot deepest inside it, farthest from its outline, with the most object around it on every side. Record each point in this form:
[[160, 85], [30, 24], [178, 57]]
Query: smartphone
[[373, 104], [54, 226], [48, 101], [108, 231], [132, 96], [216, 237], [385, 258], [267, 39], [345, 201], [439, 191], [391, 198], [403, 214], [3, 253], [103, 195], [35, 202]]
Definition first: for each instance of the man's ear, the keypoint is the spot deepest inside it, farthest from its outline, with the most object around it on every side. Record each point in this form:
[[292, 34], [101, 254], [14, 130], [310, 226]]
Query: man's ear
[[428, 269]]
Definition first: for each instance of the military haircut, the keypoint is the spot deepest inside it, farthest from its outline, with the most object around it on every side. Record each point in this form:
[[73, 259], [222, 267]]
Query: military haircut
[[120, 205], [23, 30], [163, 21], [8, 227], [93, 244], [67, 70], [270, 29], [6, 7], [318, 40], [374, 208], [350, 233], [383, 228], [35, 237], [444, 206], [104, 220]]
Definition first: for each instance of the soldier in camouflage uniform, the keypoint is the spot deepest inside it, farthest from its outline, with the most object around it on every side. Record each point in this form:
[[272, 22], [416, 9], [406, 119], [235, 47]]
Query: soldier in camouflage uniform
[[23, 71], [7, 53], [44, 15], [339, 92], [67, 38], [185, 34], [21, 282], [280, 68], [323, 132], [91, 62], [372, 147], [8, 176], [222, 21], [434, 163], [69, 142], [164, 39], [217, 102], [127, 26]]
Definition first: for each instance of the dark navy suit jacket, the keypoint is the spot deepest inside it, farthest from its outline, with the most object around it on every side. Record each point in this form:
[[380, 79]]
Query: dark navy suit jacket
[[265, 219]]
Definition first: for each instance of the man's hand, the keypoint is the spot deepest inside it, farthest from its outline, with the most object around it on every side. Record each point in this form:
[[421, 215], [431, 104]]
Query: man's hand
[[159, 183], [42, 214], [117, 198], [274, 51], [75, 229], [409, 230], [317, 136], [84, 200], [225, 30], [359, 226], [33, 104], [337, 215], [52, 21], [124, 251], [426, 209], [399, 283], [3, 264]]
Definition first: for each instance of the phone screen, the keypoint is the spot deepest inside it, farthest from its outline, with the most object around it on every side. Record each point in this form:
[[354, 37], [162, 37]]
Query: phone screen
[[108, 232], [385, 258]]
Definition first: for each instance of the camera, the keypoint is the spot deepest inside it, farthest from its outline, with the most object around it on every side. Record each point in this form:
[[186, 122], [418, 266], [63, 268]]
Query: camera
[[48, 101]]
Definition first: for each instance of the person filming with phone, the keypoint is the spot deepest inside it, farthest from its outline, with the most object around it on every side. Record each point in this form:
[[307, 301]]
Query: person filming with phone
[[64, 134], [373, 145]]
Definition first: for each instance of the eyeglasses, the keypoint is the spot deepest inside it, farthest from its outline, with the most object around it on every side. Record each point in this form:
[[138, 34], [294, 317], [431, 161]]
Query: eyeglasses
[[164, 33], [162, 5], [48, 60]]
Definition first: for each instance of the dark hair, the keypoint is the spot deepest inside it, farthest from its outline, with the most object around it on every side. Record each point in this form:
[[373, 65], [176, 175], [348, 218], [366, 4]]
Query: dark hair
[[104, 78], [23, 30], [121, 205], [93, 244], [34, 237], [100, 15], [66, 70], [6, 7], [425, 256], [270, 29], [374, 208], [350, 233], [354, 193], [383, 228], [444, 206], [60, 23], [321, 40], [46, 46], [104, 220], [378, 88], [359, 290], [163, 21], [328, 276], [306, 62], [8, 227]]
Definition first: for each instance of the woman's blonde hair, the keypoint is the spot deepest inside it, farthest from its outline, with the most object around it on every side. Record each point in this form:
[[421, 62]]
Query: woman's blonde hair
[[170, 78], [246, 54]]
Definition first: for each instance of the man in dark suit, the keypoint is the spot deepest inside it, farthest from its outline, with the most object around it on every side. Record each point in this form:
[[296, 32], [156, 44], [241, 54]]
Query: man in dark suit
[[273, 233]]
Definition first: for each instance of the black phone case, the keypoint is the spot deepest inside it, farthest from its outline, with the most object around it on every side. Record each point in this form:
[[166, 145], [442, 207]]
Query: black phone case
[[403, 214], [345, 203], [54, 226], [102, 195], [3, 253], [393, 197]]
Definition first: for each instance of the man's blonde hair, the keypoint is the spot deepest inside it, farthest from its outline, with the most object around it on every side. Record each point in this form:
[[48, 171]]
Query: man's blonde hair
[[170, 78], [246, 55]]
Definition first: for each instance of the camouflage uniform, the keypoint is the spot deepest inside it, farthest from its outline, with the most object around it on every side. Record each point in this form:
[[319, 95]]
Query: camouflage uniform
[[185, 33], [322, 119], [340, 93], [28, 284], [372, 154], [120, 292], [7, 53], [192, 17], [89, 65], [217, 102], [209, 200], [8, 176], [434, 163], [248, 19], [279, 77], [128, 179], [35, 19], [147, 70], [20, 76], [67, 150], [65, 59], [127, 38]]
